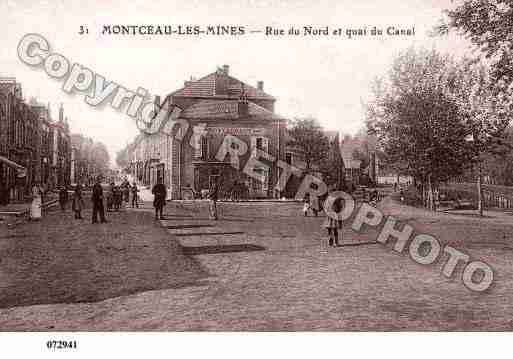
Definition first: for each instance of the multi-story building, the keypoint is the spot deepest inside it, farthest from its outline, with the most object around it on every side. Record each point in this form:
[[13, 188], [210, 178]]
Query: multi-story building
[[54, 148], [18, 143], [32, 147], [214, 107], [61, 151]]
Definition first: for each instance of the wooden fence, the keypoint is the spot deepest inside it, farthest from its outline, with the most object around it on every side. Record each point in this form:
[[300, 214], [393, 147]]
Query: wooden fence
[[490, 198]]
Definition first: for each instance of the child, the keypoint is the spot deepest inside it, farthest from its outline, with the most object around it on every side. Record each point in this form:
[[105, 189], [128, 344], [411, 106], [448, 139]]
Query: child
[[333, 225], [306, 207]]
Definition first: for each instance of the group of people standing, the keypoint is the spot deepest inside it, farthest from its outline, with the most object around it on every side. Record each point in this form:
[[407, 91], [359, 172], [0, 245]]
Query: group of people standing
[[119, 194], [114, 198]]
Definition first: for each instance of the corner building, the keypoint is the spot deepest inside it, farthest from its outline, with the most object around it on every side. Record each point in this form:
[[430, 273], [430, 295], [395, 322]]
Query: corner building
[[219, 105]]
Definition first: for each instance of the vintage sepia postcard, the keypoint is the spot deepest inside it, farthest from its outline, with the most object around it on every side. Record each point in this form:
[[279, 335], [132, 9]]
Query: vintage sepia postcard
[[255, 166]]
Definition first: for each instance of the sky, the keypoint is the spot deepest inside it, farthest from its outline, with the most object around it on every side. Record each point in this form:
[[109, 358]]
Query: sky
[[327, 77]]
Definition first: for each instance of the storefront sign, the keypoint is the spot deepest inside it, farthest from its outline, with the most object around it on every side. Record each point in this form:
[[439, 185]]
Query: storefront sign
[[241, 131]]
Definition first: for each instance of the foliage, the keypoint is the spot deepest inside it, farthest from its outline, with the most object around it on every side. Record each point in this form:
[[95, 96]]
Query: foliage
[[489, 25], [90, 154], [332, 166], [417, 119], [309, 141]]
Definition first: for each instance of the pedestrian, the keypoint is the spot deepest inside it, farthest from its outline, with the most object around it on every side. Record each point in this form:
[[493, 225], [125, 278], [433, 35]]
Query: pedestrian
[[159, 201], [233, 191], [126, 191], [78, 202], [306, 206], [395, 186], [118, 198], [333, 225], [97, 199], [110, 197], [63, 197], [213, 195], [314, 205], [135, 190], [37, 202]]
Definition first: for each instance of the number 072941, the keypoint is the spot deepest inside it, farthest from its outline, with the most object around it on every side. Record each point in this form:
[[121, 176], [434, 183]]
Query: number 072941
[[61, 344]]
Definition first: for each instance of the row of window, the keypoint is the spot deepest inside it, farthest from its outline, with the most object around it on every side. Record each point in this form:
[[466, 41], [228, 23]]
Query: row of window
[[18, 124]]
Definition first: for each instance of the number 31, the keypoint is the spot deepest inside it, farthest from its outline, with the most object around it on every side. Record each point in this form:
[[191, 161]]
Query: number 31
[[83, 30]]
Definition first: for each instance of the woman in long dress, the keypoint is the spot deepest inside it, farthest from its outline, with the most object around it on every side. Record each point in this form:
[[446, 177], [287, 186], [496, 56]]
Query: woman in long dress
[[37, 202]]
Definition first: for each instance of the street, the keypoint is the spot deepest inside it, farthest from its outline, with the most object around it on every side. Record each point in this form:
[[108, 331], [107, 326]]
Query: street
[[262, 266]]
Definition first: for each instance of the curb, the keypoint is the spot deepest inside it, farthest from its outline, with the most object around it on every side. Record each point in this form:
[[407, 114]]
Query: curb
[[26, 211]]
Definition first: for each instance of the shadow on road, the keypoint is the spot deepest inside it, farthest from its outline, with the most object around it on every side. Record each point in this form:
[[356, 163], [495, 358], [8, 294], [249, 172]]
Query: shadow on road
[[353, 244], [185, 226], [206, 234], [61, 260], [226, 248]]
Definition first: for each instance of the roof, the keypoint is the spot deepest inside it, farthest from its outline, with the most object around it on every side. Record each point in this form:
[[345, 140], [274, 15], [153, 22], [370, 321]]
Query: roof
[[227, 110], [209, 86]]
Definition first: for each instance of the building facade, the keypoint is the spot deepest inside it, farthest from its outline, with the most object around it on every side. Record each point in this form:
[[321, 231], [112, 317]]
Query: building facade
[[217, 111], [27, 145], [18, 143]]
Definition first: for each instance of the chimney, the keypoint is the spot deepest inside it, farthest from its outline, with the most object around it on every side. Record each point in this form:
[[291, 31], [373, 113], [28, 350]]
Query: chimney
[[221, 81], [157, 100], [243, 105], [188, 82], [260, 85]]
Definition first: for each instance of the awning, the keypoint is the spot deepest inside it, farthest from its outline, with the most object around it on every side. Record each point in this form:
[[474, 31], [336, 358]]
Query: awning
[[21, 171]]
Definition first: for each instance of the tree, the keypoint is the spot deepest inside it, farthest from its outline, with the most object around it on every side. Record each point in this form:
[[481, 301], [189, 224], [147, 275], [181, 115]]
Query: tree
[[309, 141], [417, 120], [91, 158], [332, 166], [488, 24]]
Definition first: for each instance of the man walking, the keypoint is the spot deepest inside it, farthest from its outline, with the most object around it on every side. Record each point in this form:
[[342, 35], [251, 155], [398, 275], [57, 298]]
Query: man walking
[[135, 190], [159, 201], [97, 199]]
